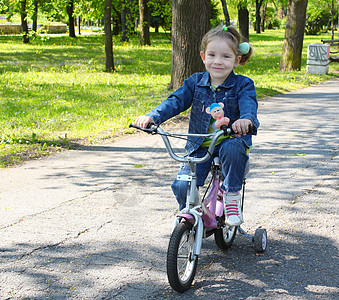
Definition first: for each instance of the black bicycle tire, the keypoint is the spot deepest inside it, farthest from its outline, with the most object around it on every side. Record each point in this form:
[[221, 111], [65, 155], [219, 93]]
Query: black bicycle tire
[[172, 259], [260, 240], [220, 240]]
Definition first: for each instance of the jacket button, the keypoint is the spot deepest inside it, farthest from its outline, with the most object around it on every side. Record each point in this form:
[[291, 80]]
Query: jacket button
[[218, 90]]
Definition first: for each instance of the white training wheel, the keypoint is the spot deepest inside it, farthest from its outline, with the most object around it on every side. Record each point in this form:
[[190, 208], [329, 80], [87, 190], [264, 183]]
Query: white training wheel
[[260, 240]]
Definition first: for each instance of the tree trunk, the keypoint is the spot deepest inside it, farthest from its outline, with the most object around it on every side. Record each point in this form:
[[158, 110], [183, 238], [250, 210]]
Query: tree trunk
[[70, 13], [226, 14], [35, 16], [243, 18], [332, 20], [108, 36], [131, 17], [294, 35], [124, 22], [116, 21], [145, 18], [190, 22], [258, 4], [79, 25], [24, 25], [263, 16]]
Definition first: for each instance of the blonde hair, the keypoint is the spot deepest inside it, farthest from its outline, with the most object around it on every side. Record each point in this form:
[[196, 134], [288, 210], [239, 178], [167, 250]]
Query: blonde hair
[[229, 33]]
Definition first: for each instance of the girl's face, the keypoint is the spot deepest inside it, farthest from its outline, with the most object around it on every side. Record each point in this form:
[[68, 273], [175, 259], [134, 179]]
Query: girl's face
[[219, 60]]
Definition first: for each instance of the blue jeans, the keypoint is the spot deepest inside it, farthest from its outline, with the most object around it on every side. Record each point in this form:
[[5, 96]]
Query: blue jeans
[[233, 157]]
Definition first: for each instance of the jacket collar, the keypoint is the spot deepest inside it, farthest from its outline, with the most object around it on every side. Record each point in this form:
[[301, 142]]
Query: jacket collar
[[229, 82]]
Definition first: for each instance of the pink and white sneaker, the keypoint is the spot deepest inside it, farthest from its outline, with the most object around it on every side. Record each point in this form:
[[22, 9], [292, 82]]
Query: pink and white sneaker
[[233, 214]]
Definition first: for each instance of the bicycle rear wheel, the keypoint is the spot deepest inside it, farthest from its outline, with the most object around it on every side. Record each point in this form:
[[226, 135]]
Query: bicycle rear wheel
[[224, 236], [181, 263]]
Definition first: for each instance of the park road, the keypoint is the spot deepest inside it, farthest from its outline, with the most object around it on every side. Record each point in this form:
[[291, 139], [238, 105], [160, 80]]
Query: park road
[[94, 223]]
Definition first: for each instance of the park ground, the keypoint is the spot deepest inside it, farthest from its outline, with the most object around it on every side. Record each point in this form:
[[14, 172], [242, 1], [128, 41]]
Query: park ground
[[94, 223]]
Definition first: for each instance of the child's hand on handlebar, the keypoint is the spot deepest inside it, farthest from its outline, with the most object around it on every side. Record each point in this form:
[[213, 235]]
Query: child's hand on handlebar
[[143, 121], [241, 126]]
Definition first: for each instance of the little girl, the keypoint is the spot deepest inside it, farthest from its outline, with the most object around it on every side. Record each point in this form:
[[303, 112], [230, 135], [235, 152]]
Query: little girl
[[221, 52]]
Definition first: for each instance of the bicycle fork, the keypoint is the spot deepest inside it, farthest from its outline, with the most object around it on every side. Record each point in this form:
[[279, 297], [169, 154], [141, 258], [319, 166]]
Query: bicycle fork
[[194, 217], [190, 214]]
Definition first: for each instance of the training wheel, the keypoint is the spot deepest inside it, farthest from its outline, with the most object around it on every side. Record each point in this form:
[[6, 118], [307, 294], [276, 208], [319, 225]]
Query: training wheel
[[260, 240]]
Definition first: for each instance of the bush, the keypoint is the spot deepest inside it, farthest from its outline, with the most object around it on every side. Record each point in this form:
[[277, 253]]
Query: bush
[[283, 23], [315, 25], [274, 24]]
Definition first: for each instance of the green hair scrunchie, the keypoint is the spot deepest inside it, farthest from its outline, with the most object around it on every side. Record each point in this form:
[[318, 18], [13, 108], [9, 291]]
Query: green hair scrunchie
[[244, 48]]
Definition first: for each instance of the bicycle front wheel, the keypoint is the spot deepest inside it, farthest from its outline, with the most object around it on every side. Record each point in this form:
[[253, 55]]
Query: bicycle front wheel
[[181, 263]]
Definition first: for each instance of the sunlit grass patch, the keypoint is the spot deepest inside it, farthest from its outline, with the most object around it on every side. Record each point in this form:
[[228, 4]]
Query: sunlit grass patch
[[54, 90]]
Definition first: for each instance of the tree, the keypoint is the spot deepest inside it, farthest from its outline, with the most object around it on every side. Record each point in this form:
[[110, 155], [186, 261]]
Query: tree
[[321, 13], [190, 22], [108, 36], [258, 4], [70, 13], [24, 24], [128, 17], [225, 11], [263, 11], [161, 14], [332, 19], [294, 35], [35, 15], [243, 18], [124, 22], [145, 20]]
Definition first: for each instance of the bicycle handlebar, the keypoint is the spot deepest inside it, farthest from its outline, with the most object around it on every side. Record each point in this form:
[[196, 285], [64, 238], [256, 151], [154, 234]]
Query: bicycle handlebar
[[154, 129]]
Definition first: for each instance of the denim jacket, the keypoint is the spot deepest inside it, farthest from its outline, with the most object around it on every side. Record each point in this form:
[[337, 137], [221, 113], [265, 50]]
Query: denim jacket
[[237, 93]]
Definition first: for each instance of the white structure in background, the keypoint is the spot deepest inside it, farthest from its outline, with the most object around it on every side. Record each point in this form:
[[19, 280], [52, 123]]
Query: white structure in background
[[318, 58]]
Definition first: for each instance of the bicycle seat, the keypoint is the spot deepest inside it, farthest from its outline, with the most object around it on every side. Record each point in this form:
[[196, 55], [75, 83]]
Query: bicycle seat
[[217, 162]]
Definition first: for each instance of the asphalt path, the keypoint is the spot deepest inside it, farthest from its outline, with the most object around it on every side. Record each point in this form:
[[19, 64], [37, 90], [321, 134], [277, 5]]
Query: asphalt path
[[94, 223]]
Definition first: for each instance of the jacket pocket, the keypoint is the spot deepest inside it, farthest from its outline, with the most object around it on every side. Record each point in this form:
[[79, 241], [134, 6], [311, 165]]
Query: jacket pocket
[[232, 107], [198, 110]]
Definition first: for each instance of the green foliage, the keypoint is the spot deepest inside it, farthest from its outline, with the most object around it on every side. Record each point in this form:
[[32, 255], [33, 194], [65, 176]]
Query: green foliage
[[161, 13], [271, 18], [215, 21], [91, 10], [317, 24], [319, 14], [4, 7], [54, 92], [283, 23], [316, 8]]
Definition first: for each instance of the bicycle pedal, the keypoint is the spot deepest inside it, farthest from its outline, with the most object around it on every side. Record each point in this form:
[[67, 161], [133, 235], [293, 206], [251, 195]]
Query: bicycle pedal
[[220, 221]]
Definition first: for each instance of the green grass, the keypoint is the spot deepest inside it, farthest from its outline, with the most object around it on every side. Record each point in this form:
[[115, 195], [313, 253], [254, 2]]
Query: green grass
[[54, 91]]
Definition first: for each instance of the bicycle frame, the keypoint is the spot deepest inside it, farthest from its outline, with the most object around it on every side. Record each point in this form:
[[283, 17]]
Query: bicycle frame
[[196, 211], [212, 206]]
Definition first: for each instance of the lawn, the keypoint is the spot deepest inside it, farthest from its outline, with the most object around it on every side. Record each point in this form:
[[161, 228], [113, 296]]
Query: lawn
[[54, 91]]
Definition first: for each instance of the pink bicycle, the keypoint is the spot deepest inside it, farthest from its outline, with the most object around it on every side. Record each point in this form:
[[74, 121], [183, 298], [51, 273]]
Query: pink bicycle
[[201, 217]]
